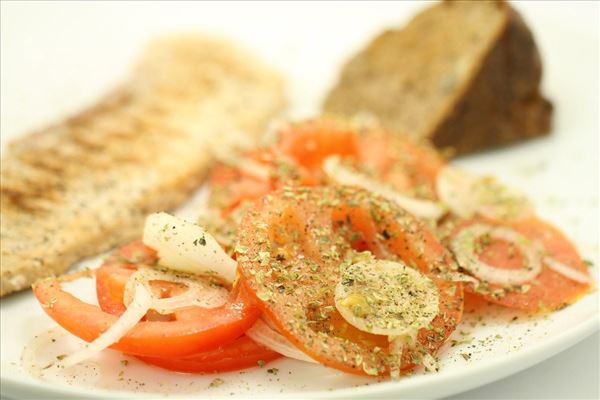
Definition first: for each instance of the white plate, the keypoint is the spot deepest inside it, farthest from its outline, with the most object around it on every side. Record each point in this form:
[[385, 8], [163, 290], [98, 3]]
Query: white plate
[[500, 348], [560, 172]]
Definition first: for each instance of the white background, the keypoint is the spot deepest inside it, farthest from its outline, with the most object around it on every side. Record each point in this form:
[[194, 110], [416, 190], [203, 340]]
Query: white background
[[57, 57]]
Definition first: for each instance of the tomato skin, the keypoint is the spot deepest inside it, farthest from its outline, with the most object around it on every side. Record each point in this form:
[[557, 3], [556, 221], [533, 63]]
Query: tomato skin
[[310, 143], [396, 159], [549, 290], [113, 274], [133, 255], [240, 354], [400, 161], [407, 165], [110, 286], [243, 352], [235, 187], [202, 329]]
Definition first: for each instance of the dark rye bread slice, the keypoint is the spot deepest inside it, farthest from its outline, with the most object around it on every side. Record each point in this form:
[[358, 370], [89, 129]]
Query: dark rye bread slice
[[464, 74]]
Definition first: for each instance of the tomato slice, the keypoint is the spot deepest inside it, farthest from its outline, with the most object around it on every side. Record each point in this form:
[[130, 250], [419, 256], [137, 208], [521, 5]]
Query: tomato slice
[[395, 159], [311, 142], [189, 331], [111, 279], [239, 354], [409, 166], [291, 245], [549, 290], [231, 185], [110, 286]]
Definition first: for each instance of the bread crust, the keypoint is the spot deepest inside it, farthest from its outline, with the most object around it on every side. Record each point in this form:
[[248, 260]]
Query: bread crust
[[85, 185], [502, 104]]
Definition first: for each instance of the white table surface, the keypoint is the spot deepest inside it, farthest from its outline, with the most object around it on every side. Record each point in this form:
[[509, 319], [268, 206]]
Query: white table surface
[[56, 57]]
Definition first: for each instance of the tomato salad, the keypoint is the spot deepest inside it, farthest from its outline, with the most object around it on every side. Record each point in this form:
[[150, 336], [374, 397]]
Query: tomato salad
[[339, 243]]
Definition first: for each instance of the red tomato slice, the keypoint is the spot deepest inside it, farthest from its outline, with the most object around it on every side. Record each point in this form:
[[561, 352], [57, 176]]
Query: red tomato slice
[[110, 285], [190, 331], [408, 166], [239, 354], [311, 142], [133, 254], [550, 290], [291, 247], [395, 159], [230, 186], [111, 279]]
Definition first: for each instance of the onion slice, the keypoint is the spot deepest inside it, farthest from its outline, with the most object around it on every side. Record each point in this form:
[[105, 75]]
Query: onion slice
[[421, 208], [464, 244], [459, 277], [430, 363], [463, 247], [141, 303], [468, 195], [199, 292], [247, 165], [568, 271], [139, 299], [396, 348], [261, 333], [255, 169], [373, 296], [187, 247]]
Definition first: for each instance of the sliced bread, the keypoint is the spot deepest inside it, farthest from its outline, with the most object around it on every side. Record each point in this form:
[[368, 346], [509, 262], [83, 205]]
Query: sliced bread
[[465, 74]]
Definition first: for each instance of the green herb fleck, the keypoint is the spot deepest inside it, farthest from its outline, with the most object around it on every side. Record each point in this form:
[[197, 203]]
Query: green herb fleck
[[241, 249], [373, 371], [200, 241], [264, 295]]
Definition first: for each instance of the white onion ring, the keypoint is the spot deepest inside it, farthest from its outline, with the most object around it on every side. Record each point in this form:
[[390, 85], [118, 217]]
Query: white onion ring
[[421, 208], [567, 271], [460, 277], [261, 333], [254, 169], [454, 188], [139, 299], [247, 165], [141, 303], [468, 195], [396, 348], [430, 363], [381, 319], [198, 292], [463, 247]]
